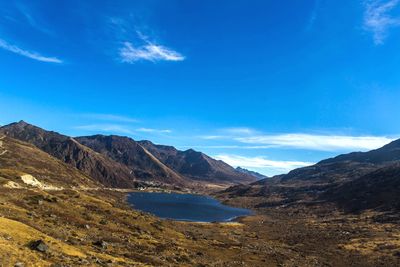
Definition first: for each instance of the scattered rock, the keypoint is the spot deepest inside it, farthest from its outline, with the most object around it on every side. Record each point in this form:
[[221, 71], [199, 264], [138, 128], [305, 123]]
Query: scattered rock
[[11, 184], [30, 180], [83, 261], [39, 245], [101, 243], [7, 237], [19, 264], [30, 214]]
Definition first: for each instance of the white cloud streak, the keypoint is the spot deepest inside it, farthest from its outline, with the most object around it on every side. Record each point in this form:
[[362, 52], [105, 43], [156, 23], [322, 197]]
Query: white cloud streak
[[239, 130], [377, 18], [29, 54], [229, 147], [118, 128], [267, 165], [318, 142], [110, 117], [112, 128], [230, 133], [313, 16], [27, 13], [151, 130], [150, 52], [213, 137]]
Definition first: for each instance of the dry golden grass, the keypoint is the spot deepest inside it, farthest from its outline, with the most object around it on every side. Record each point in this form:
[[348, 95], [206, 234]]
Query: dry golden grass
[[70, 221]]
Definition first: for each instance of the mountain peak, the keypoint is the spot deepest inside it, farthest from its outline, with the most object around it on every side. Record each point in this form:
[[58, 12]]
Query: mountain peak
[[67, 149], [393, 144], [196, 165], [20, 124], [259, 176], [385, 154]]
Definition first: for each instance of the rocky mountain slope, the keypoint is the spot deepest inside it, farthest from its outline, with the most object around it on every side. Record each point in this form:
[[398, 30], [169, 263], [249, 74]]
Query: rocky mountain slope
[[117, 161], [22, 164], [131, 154], [52, 214], [197, 165], [388, 153], [259, 176], [355, 181], [379, 189], [345, 167], [67, 149]]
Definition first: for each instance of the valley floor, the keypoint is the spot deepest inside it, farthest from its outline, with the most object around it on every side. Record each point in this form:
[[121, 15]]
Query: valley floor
[[84, 228], [319, 235]]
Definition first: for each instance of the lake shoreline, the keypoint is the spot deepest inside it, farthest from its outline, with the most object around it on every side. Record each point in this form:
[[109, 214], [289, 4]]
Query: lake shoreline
[[184, 207]]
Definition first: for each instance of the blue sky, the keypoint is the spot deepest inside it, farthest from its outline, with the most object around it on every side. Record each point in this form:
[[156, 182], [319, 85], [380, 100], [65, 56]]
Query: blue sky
[[267, 85]]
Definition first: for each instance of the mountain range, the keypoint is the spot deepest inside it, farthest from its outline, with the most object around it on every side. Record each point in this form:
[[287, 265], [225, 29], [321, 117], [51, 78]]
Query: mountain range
[[356, 181], [256, 174], [64, 194], [116, 161], [19, 158]]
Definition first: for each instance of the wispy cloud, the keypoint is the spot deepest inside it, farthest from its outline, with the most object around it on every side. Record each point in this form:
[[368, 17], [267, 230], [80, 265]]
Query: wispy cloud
[[313, 16], [255, 139], [248, 138], [110, 117], [29, 54], [261, 163], [27, 13], [147, 50], [120, 128], [213, 137], [151, 130], [378, 20], [111, 128], [229, 133], [150, 52], [318, 142], [229, 147], [239, 130]]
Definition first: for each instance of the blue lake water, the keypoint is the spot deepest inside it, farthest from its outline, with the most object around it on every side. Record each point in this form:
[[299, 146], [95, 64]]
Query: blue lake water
[[185, 207]]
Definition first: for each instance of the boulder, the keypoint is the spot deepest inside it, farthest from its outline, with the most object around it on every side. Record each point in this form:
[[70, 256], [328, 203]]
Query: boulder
[[101, 243], [39, 245]]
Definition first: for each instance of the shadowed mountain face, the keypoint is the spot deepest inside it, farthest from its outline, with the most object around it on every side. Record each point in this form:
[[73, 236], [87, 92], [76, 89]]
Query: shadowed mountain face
[[68, 150], [379, 189], [355, 182], [259, 176], [385, 154], [128, 152], [117, 161], [19, 158], [345, 167], [197, 165]]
